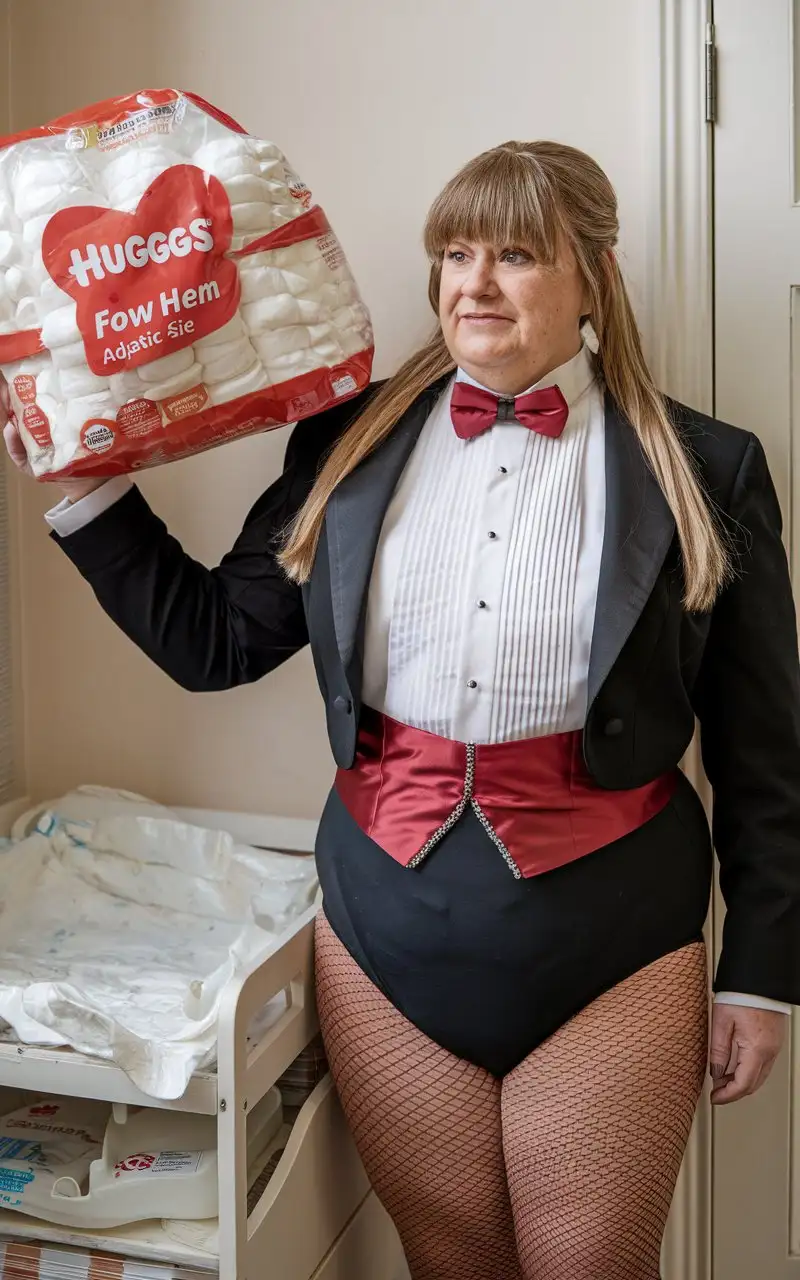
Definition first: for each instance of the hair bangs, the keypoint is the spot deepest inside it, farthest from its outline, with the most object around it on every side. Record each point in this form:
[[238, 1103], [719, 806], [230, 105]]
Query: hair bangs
[[503, 199]]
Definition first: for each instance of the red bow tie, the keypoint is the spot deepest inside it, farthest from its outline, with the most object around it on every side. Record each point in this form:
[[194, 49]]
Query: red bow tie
[[474, 410]]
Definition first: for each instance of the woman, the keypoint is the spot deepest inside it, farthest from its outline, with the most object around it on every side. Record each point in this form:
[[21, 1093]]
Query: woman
[[522, 574]]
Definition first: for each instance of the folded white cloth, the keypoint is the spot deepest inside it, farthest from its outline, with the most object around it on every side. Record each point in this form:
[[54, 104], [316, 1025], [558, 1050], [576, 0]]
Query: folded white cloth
[[233, 328], [247, 384], [60, 327], [69, 355], [292, 366], [48, 383], [35, 201], [25, 313], [82, 409], [76, 381], [10, 248], [228, 360], [51, 296], [248, 188], [96, 858], [128, 161], [32, 231], [125, 387], [172, 386], [167, 366], [14, 283], [255, 217]]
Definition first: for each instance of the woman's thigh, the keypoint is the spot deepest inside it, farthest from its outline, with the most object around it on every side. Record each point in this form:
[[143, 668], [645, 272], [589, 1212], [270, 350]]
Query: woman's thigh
[[426, 1123], [596, 1120]]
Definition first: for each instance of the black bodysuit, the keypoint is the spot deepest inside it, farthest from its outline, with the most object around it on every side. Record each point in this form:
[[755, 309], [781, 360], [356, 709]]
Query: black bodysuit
[[489, 966]]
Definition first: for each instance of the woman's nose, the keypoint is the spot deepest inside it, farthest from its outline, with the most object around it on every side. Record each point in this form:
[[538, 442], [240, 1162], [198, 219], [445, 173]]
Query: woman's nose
[[480, 281]]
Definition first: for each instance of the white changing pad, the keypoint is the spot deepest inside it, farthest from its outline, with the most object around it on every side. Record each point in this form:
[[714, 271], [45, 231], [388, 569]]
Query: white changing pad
[[120, 926]]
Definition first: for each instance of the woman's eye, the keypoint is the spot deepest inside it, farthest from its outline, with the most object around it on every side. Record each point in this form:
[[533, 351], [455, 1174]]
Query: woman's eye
[[456, 255], [515, 257]]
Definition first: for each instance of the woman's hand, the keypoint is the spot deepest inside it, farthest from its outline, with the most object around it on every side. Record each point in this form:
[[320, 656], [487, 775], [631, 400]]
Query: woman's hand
[[71, 489], [744, 1045]]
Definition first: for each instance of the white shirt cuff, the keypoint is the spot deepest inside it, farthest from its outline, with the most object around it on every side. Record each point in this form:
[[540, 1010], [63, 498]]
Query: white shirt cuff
[[752, 1002], [68, 517]]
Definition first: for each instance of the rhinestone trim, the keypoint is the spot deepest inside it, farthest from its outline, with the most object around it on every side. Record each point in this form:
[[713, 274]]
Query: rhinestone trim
[[495, 839], [467, 798], [452, 819]]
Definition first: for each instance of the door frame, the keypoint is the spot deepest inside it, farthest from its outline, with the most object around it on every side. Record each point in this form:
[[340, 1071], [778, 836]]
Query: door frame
[[678, 327], [679, 316]]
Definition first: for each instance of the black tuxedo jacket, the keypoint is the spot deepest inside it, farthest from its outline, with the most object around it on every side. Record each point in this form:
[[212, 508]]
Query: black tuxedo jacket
[[653, 669]]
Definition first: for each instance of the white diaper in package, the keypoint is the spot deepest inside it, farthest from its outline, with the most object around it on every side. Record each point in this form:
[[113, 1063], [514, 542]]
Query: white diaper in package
[[167, 283]]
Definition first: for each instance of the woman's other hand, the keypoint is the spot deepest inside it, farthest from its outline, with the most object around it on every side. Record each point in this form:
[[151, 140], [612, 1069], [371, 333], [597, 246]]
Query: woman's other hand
[[744, 1045]]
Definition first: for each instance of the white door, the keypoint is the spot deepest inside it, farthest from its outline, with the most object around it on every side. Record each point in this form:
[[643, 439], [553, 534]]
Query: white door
[[756, 1177]]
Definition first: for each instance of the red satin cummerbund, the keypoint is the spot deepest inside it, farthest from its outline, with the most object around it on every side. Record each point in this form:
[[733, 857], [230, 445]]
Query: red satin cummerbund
[[535, 798]]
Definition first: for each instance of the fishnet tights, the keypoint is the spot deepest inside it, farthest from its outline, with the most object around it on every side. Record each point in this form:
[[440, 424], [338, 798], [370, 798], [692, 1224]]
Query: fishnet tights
[[595, 1124], [427, 1126], [565, 1169]]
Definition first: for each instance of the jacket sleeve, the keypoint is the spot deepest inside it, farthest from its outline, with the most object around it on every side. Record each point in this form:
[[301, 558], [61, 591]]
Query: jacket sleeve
[[208, 629], [748, 702]]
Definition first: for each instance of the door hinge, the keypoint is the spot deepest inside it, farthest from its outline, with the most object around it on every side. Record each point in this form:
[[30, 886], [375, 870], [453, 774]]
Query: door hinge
[[711, 75]]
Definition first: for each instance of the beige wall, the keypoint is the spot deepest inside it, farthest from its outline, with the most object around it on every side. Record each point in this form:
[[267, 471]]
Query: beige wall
[[376, 102], [14, 522]]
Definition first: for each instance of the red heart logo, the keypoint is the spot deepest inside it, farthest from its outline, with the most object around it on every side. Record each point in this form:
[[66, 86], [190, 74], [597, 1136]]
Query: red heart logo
[[151, 282]]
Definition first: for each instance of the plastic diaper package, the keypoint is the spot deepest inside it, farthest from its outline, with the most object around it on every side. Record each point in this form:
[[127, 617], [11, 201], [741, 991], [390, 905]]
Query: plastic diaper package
[[167, 283]]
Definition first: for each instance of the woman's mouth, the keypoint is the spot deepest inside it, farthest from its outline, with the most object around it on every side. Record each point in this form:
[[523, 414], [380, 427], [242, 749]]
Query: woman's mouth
[[487, 318]]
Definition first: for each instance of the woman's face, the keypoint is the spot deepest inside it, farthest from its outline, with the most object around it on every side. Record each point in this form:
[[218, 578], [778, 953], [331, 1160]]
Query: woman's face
[[508, 320]]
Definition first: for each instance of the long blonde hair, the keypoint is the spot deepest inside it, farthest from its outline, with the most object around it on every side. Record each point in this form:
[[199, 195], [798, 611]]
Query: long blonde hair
[[533, 195]]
